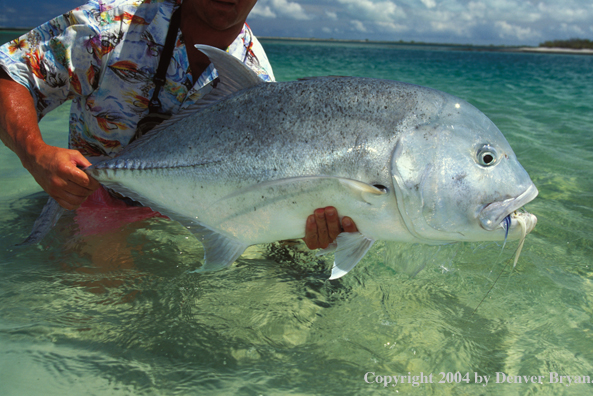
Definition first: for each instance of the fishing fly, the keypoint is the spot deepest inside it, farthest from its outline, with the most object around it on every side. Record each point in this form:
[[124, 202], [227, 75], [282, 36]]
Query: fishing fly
[[506, 223]]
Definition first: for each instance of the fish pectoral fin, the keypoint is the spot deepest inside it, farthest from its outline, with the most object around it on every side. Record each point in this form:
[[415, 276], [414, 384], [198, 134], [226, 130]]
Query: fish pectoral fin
[[364, 191], [220, 251], [330, 248], [352, 246], [360, 189], [50, 214]]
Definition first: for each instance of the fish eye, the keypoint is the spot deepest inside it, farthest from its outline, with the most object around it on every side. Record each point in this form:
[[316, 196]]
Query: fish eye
[[487, 155]]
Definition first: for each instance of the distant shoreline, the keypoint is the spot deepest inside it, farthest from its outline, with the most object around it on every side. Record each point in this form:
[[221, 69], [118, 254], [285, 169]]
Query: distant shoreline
[[461, 47]]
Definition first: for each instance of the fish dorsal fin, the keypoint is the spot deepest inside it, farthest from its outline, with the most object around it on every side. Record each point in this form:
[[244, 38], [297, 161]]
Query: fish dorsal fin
[[233, 76], [350, 248]]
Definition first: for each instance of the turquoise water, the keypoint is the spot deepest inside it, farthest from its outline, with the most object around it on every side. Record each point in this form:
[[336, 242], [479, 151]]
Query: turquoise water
[[118, 313]]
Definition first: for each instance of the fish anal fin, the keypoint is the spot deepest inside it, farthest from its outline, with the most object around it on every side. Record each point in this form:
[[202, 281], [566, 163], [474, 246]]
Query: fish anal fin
[[219, 251], [352, 246]]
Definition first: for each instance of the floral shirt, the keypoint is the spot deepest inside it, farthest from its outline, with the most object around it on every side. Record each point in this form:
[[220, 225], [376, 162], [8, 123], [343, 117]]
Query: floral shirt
[[103, 56]]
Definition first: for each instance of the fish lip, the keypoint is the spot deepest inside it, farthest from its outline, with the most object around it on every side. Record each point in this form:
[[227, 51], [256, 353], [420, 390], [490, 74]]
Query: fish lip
[[493, 213]]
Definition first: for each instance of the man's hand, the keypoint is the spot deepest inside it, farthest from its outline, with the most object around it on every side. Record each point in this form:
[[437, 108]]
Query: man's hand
[[56, 170], [323, 227]]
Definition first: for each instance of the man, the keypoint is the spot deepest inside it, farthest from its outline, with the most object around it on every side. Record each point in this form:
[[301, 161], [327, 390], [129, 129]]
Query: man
[[104, 56]]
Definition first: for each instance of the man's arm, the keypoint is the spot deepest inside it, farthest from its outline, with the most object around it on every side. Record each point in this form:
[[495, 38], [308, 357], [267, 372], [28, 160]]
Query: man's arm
[[54, 168]]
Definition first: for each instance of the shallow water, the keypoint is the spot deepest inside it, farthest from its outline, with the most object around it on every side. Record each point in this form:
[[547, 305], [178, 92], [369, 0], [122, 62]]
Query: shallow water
[[119, 312]]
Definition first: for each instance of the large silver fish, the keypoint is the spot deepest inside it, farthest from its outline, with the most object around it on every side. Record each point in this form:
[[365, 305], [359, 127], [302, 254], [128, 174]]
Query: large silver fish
[[407, 163]]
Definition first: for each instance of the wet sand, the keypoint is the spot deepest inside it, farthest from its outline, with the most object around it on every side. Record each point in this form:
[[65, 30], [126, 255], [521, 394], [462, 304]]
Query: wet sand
[[546, 50]]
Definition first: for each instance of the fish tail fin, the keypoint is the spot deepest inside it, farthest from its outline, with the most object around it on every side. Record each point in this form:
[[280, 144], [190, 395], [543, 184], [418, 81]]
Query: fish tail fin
[[50, 214]]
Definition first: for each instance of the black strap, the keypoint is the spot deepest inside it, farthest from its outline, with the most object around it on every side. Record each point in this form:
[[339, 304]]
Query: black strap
[[154, 106]]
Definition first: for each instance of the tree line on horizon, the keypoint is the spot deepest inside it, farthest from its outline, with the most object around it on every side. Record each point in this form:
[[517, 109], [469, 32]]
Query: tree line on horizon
[[574, 43]]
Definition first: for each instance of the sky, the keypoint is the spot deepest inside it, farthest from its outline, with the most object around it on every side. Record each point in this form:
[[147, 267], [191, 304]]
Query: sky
[[479, 22]]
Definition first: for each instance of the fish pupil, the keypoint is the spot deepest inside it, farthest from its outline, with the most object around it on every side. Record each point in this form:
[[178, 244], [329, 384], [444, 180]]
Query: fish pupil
[[486, 155], [380, 187]]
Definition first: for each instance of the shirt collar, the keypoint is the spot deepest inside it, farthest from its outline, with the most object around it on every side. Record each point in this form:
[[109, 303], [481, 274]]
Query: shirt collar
[[156, 32]]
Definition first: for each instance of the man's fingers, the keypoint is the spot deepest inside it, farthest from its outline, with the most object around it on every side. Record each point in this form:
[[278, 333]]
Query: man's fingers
[[93, 184], [81, 163], [75, 186], [322, 231], [78, 182], [333, 223], [311, 233], [64, 204], [348, 225], [80, 160], [78, 177], [76, 190], [69, 201]]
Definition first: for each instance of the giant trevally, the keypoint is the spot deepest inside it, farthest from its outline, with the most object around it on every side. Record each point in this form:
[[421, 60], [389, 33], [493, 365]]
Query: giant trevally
[[254, 159]]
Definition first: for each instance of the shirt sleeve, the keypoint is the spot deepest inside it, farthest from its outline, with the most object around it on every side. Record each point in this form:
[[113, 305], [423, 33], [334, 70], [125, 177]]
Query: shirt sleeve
[[247, 48], [58, 60], [264, 64]]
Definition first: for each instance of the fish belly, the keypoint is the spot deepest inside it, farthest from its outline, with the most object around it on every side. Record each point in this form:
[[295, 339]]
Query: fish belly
[[249, 211]]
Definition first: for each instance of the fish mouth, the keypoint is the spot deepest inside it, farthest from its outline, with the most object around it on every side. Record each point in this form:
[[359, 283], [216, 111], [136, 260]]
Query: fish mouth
[[492, 215]]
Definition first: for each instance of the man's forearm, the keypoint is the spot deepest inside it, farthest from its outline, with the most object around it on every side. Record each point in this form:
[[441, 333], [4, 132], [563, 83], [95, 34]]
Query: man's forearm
[[19, 129]]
